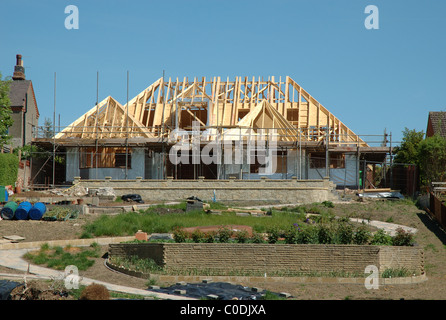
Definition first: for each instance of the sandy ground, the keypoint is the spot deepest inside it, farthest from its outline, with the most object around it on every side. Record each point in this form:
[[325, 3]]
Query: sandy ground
[[429, 236]]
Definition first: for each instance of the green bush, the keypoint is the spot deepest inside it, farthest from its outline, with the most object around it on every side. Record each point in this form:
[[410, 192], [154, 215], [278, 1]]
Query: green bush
[[361, 235], [242, 236], [257, 238], [9, 168], [198, 236], [209, 237], [328, 204], [273, 235], [308, 235], [344, 233], [224, 234], [291, 235], [381, 238], [402, 238], [179, 235], [325, 234]]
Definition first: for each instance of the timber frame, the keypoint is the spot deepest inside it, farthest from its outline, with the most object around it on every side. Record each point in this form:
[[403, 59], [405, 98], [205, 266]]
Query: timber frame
[[224, 109], [214, 103]]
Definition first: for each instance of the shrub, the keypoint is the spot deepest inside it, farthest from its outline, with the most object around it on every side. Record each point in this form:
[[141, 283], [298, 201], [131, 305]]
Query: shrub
[[198, 236], [95, 291], [291, 235], [209, 237], [402, 238], [9, 168], [344, 233], [362, 235], [325, 235], [179, 235], [328, 204], [257, 238], [273, 235], [308, 235], [242, 236], [224, 234], [381, 238]]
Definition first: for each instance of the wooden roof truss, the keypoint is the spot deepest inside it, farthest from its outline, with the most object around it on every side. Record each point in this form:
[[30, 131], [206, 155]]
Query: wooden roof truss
[[162, 106]]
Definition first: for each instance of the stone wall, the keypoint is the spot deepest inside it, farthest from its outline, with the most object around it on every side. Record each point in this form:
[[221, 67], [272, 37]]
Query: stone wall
[[277, 258], [282, 191]]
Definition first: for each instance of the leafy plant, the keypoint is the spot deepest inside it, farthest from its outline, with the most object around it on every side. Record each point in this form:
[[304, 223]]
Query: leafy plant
[[58, 258], [9, 167], [291, 235], [361, 235], [325, 234], [273, 235], [224, 234], [179, 235], [257, 238], [6, 120], [198, 236], [381, 238], [242, 236], [344, 232], [395, 273], [328, 204], [209, 237], [403, 238]]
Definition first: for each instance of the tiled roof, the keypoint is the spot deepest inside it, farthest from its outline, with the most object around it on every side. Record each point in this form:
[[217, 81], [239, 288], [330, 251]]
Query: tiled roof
[[17, 92], [438, 122]]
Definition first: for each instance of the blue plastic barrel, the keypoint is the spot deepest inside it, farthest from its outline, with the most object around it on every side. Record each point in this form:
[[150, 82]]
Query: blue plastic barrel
[[8, 210], [22, 211], [37, 211]]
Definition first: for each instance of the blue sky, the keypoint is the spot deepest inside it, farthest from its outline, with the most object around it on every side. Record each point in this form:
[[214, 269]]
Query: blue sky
[[372, 80]]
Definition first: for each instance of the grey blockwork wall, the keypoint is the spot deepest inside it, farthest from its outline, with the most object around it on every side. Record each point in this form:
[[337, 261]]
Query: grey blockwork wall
[[153, 165], [290, 161], [72, 164], [137, 167], [347, 176], [148, 165], [342, 177]]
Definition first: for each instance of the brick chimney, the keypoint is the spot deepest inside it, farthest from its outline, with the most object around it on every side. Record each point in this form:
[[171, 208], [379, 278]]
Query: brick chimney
[[19, 70]]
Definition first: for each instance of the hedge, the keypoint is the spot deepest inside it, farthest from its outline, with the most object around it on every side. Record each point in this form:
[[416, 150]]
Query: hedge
[[9, 168]]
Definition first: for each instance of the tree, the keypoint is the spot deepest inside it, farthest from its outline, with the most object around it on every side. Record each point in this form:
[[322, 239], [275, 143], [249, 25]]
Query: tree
[[432, 159], [5, 111], [408, 151], [48, 128]]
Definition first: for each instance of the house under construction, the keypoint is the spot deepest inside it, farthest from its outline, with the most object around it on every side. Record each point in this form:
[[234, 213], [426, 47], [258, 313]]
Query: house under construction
[[221, 118]]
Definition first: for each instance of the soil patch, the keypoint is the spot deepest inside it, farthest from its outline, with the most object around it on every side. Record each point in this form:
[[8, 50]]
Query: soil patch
[[429, 236]]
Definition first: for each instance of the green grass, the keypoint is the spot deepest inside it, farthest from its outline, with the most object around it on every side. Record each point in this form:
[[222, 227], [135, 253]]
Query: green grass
[[291, 223], [59, 258], [395, 273], [152, 221]]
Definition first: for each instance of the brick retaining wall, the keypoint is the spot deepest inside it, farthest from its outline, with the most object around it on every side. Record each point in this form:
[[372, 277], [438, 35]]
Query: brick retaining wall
[[277, 258]]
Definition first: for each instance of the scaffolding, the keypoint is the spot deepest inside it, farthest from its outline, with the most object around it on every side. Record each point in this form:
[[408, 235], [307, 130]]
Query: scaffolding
[[281, 114]]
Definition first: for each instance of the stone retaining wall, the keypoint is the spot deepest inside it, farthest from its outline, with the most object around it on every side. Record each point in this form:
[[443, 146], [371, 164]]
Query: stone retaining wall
[[282, 191], [277, 258]]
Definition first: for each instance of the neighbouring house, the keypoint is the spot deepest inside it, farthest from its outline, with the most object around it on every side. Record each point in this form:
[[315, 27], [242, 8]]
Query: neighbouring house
[[24, 107], [436, 124], [227, 120]]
